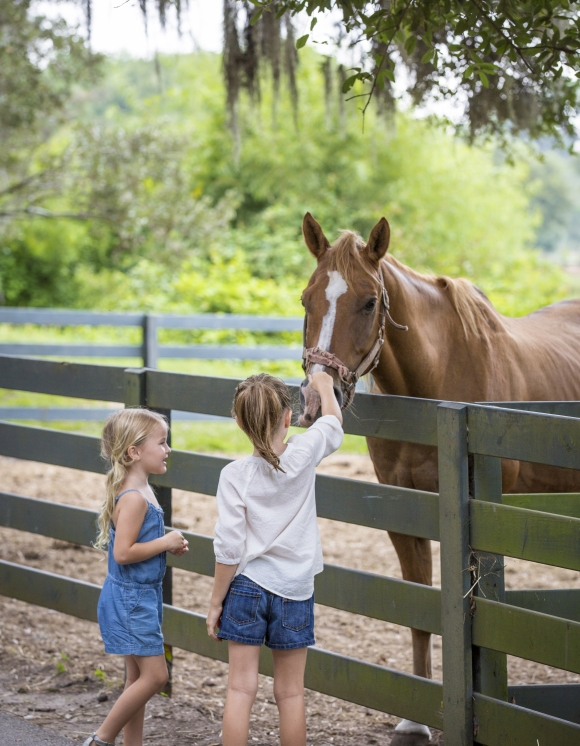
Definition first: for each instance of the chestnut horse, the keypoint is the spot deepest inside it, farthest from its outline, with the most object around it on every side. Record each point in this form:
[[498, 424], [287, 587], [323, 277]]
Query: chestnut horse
[[453, 346]]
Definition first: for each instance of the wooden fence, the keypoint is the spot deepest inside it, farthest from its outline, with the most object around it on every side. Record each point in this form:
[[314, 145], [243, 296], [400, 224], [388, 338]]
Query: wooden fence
[[150, 350], [479, 620]]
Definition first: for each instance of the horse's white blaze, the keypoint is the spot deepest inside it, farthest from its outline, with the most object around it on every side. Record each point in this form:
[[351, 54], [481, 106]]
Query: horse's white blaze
[[335, 288], [408, 726]]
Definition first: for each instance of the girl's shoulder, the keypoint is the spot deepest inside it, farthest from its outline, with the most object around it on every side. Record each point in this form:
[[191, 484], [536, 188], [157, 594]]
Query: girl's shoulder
[[238, 467]]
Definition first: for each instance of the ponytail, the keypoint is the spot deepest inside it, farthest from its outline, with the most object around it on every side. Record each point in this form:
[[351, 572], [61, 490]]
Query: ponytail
[[260, 402]]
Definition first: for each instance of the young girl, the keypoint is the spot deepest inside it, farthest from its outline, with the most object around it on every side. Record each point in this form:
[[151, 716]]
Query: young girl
[[130, 605], [267, 543]]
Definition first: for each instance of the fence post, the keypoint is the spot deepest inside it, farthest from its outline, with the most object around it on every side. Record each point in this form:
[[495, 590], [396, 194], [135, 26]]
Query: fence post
[[150, 344], [455, 574], [489, 667]]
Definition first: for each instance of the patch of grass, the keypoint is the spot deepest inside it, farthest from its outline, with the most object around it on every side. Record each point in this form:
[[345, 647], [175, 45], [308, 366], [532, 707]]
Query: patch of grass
[[226, 437]]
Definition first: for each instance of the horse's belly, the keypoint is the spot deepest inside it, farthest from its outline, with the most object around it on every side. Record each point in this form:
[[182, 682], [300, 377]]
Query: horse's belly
[[542, 478]]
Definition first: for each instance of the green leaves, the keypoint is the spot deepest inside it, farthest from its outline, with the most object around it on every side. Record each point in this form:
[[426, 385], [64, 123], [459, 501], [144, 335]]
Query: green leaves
[[302, 41], [470, 45]]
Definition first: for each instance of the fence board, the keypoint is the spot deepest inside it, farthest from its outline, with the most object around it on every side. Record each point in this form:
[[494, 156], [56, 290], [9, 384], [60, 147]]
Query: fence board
[[74, 597], [560, 408], [557, 700], [525, 436], [499, 724], [68, 317], [204, 394], [379, 597], [381, 506], [72, 317], [560, 503], [563, 602], [374, 415], [230, 352], [353, 680], [527, 634], [79, 380], [71, 350], [64, 522], [73, 450], [88, 414], [232, 321], [527, 534]]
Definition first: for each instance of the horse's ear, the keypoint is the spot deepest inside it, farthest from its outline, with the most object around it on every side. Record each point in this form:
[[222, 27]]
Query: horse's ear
[[314, 237], [378, 242]]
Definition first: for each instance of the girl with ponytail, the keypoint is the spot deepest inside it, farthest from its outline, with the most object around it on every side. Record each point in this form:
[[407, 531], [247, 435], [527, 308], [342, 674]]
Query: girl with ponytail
[[131, 527], [267, 549]]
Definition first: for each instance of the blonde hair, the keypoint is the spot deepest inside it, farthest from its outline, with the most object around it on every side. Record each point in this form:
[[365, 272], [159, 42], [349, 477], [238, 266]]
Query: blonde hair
[[259, 405], [126, 428]]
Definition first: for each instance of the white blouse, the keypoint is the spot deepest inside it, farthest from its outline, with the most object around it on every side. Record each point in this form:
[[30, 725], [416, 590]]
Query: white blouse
[[267, 518]]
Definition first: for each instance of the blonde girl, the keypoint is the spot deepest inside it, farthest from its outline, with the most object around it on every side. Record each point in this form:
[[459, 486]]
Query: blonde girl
[[268, 551], [134, 442]]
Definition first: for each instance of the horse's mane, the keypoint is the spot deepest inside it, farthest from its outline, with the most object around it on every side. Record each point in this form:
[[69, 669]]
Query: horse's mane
[[474, 309]]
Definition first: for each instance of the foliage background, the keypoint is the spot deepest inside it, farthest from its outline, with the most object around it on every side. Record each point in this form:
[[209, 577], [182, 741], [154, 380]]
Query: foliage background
[[170, 219], [128, 191]]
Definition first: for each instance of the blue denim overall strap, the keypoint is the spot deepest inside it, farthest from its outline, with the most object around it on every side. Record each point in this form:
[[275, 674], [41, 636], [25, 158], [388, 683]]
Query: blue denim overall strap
[[149, 571]]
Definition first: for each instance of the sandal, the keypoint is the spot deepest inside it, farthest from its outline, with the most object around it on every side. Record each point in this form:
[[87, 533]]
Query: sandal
[[95, 739]]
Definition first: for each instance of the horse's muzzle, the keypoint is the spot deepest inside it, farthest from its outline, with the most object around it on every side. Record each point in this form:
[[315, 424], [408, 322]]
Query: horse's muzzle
[[310, 403]]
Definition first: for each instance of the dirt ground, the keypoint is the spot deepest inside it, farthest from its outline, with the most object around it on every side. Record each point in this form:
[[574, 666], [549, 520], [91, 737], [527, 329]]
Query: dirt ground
[[53, 669]]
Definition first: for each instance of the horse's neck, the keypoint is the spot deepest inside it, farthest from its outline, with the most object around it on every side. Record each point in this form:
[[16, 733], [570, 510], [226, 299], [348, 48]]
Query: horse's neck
[[431, 357]]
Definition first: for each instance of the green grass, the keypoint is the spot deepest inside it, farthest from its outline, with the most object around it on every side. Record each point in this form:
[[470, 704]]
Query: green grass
[[201, 437]]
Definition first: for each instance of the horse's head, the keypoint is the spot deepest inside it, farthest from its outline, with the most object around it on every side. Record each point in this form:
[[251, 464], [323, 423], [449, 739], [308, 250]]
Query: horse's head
[[346, 305]]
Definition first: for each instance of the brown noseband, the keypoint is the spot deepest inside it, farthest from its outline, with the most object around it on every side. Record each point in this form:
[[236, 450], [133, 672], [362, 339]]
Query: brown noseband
[[348, 378]]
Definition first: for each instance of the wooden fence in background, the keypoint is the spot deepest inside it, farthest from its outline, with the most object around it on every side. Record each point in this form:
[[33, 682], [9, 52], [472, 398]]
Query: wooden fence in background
[[150, 350], [479, 620]]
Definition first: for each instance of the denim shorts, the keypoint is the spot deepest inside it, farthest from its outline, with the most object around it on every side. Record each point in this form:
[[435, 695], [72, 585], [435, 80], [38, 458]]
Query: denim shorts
[[130, 617], [253, 615]]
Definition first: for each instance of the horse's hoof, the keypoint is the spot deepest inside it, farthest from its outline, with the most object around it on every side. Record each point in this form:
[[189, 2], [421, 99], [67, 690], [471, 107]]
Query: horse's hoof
[[410, 739], [408, 733]]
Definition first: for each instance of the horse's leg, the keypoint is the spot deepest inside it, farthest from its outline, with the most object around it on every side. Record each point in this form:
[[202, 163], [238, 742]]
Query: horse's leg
[[392, 464], [416, 566]]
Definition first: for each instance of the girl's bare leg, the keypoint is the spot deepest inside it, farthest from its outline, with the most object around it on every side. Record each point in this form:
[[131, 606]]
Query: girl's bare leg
[[133, 730], [242, 689], [129, 709], [289, 695]]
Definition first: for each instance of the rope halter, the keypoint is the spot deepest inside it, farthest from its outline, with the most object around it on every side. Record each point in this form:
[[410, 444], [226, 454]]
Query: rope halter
[[348, 378]]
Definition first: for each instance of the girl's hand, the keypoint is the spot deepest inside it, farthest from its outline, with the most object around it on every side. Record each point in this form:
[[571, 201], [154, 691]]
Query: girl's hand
[[183, 550], [321, 381], [323, 384], [175, 543], [213, 620]]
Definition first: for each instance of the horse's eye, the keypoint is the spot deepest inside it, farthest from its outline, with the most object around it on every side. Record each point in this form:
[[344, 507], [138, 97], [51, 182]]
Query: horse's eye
[[370, 305]]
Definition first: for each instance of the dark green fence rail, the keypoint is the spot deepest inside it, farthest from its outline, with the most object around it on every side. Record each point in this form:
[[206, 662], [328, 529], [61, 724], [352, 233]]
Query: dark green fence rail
[[479, 620]]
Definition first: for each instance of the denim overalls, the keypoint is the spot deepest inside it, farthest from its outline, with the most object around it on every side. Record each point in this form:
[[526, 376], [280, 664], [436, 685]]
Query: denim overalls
[[130, 608]]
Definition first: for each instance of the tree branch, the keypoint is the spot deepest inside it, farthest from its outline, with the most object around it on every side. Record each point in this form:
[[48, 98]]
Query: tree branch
[[395, 30], [42, 213], [501, 32]]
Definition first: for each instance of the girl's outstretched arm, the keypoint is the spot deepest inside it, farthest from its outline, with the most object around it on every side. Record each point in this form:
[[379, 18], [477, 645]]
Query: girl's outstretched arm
[[132, 509], [224, 574]]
